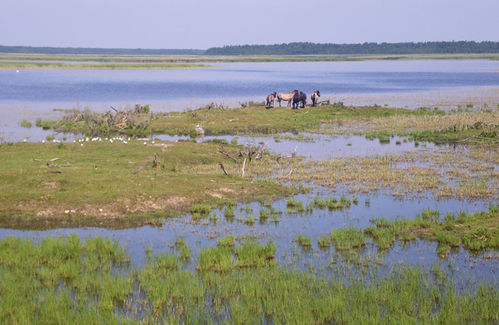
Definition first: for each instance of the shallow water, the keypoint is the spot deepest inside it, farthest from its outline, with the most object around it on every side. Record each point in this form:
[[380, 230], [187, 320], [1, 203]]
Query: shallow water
[[201, 233], [325, 147]]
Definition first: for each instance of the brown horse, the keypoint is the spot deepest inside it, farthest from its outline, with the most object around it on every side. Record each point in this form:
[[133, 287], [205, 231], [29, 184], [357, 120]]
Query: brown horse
[[298, 99], [286, 97], [269, 102], [315, 98]]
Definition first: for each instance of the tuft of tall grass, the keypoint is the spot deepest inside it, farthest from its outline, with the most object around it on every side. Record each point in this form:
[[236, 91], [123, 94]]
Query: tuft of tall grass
[[216, 259], [228, 241], [324, 241], [252, 254], [229, 212], [26, 124], [294, 206], [304, 241], [201, 209], [349, 238]]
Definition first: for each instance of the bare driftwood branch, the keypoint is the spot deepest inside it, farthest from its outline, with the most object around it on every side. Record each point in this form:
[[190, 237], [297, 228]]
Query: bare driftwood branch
[[244, 165], [223, 168], [227, 155]]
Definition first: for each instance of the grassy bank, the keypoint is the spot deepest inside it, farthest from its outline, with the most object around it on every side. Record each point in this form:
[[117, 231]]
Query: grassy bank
[[118, 183], [373, 121], [59, 281], [107, 66], [239, 58]]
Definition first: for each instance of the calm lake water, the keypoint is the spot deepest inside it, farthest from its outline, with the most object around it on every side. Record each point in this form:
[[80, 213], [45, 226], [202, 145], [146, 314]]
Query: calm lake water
[[178, 89]]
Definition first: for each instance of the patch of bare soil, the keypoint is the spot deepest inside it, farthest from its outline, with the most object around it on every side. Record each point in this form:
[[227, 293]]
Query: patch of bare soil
[[120, 208]]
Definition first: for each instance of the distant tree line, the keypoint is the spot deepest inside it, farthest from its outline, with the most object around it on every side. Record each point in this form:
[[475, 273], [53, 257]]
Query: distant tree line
[[304, 48], [296, 48], [84, 50]]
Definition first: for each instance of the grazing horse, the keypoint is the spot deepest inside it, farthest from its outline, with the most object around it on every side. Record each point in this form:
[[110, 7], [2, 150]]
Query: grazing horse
[[270, 100], [299, 98], [315, 98], [286, 97]]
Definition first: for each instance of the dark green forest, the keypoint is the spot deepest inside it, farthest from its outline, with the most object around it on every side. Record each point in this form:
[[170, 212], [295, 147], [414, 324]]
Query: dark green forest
[[306, 48]]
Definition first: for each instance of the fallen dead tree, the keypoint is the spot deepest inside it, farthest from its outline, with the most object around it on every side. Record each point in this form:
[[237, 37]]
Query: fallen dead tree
[[250, 152], [134, 121]]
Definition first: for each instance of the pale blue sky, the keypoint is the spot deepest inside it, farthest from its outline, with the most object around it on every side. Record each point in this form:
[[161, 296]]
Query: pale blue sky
[[203, 24]]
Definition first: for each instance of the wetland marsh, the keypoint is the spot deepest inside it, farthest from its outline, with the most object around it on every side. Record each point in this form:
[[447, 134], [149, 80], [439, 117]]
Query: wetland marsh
[[334, 214]]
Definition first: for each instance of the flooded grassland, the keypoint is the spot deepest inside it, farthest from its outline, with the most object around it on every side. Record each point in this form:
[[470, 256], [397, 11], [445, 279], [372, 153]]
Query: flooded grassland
[[335, 214]]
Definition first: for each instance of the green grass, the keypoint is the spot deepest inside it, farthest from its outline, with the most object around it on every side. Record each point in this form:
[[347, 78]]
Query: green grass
[[228, 241], [324, 241], [60, 281], [304, 241], [219, 259], [264, 214], [248, 120], [201, 209], [346, 239], [252, 254], [229, 212], [250, 221], [331, 203], [118, 184], [185, 252], [475, 232], [384, 237], [26, 124], [384, 122], [294, 206], [258, 120]]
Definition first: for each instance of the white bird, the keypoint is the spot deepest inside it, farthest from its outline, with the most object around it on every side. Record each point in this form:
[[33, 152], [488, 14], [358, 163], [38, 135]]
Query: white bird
[[199, 129]]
